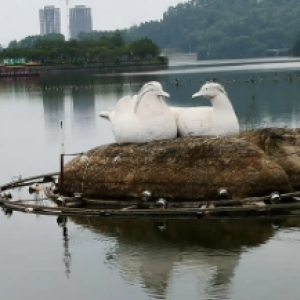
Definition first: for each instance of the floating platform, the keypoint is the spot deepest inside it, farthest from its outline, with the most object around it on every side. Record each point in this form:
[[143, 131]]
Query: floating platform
[[273, 205]]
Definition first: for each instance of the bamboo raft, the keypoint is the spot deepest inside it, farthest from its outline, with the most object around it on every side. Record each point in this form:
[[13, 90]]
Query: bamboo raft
[[274, 205]]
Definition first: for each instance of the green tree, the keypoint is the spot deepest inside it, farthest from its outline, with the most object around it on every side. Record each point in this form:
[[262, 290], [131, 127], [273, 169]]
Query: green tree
[[55, 50], [13, 44]]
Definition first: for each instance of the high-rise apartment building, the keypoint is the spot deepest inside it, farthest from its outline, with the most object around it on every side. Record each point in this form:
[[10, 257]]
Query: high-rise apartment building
[[80, 20], [49, 20]]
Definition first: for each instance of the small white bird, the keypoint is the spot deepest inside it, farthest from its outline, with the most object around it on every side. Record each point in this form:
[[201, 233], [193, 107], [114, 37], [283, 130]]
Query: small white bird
[[142, 118], [220, 119], [146, 196], [161, 203]]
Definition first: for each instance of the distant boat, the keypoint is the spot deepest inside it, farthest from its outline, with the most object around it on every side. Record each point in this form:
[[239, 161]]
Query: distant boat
[[26, 70]]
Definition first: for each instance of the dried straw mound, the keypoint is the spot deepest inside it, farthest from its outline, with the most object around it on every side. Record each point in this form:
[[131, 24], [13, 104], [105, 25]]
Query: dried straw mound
[[184, 168], [282, 145]]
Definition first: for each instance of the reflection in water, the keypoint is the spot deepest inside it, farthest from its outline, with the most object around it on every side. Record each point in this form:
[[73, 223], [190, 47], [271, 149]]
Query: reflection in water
[[173, 259], [261, 103], [84, 117], [257, 105], [265, 102], [19, 84], [53, 103], [155, 253], [62, 222]]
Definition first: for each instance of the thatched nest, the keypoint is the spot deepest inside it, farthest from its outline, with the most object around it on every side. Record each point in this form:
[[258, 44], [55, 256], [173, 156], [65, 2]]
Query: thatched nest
[[282, 145], [184, 168]]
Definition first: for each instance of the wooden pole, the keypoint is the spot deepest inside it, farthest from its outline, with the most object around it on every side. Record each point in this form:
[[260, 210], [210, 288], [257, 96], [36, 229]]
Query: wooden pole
[[61, 189], [62, 154]]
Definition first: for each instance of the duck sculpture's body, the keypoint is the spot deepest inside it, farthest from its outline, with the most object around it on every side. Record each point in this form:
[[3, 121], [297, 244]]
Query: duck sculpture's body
[[142, 118], [220, 119]]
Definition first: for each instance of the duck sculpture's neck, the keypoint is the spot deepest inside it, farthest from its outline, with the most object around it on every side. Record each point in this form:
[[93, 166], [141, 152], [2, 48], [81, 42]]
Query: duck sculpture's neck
[[221, 102], [151, 105], [155, 117], [225, 121]]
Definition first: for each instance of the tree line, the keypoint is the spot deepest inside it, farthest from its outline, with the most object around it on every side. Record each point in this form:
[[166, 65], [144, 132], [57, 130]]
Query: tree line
[[53, 49], [219, 29]]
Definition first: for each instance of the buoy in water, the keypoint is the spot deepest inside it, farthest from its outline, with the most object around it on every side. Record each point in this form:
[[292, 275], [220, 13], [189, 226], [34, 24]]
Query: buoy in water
[[275, 197], [143, 202], [276, 224], [223, 194], [162, 226], [146, 196], [161, 203]]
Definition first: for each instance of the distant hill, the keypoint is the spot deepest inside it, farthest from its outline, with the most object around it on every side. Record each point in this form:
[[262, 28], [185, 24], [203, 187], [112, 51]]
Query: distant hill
[[217, 29]]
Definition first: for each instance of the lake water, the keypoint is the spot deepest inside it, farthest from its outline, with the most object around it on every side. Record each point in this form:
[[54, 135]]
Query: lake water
[[134, 259]]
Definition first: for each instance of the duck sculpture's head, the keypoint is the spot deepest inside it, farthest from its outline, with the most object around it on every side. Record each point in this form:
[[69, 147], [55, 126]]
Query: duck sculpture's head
[[210, 90], [153, 91]]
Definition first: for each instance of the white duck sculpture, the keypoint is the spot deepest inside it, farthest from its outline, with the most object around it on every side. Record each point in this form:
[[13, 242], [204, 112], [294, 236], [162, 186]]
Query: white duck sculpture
[[220, 119], [142, 118]]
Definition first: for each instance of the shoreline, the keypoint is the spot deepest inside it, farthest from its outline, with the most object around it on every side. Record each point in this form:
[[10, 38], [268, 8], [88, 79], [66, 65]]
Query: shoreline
[[109, 68], [102, 70], [232, 62], [105, 68]]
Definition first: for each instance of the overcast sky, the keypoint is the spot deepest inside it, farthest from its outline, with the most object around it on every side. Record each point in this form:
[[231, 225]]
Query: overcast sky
[[20, 18]]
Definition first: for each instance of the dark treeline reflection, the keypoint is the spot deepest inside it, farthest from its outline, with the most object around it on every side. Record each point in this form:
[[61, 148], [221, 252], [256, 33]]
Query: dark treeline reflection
[[261, 98], [66, 79], [150, 251], [83, 106], [53, 103]]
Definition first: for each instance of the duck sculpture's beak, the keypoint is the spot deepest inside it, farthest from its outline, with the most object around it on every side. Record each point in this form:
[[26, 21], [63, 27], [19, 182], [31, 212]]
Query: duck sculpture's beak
[[104, 114], [199, 94], [164, 94]]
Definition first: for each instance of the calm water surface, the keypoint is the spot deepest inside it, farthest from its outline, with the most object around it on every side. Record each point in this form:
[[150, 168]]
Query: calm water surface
[[109, 259]]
